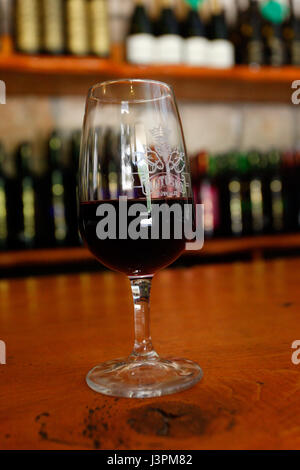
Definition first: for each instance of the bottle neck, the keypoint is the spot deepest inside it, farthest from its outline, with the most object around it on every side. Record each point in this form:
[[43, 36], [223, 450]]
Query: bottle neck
[[194, 24], [292, 10], [218, 25], [216, 7], [167, 4], [168, 23], [24, 157]]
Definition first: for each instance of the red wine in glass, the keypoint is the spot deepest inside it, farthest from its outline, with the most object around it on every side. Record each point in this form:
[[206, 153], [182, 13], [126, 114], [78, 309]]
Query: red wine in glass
[[139, 257]]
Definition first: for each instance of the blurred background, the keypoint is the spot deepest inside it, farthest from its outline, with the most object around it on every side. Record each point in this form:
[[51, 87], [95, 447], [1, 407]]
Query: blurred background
[[231, 63]]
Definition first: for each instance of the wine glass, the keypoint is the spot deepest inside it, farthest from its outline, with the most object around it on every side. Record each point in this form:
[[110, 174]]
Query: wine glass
[[134, 189]]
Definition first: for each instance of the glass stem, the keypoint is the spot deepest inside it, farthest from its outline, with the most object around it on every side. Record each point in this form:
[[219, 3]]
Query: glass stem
[[143, 348]]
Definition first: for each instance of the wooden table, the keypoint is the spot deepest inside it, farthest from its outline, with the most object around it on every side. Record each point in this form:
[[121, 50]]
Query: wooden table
[[237, 320]]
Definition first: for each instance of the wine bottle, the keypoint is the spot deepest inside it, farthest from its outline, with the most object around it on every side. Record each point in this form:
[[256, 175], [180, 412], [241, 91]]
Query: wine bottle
[[53, 26], [237, 217], [4, 240], [256, 187], [290, 185], [140, 43], [244, 175], [236, 35], [43, 238], [295, 39], [99, 27], [77, 27], [195, 43], [232, 208], [208, 193], [276, 47], [70, 185], [57, 189], [288, 31], [169, 47], [297, 175], [253, 34], [3, 23], [14, 203], [26, 179], [242, 31], [27, 26], [221, 50], [275, 188]]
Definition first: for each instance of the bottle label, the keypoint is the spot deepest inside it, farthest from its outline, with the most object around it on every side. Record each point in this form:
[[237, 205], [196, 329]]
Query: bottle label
[[296, 52], [196, 51], [221, 53], [255, 53], [160, 169], [99, 31], [53, 25], [77, 27], [235, 207], [169, 49], [256, 205], [209, 197], [27, 25], [277, 203], [277, 53], [140, 48]]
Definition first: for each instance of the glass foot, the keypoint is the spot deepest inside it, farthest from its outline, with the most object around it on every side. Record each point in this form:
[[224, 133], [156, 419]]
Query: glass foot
[[137, 377]]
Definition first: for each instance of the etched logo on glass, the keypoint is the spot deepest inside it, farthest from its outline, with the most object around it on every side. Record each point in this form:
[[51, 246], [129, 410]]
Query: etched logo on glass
[[161, 167]]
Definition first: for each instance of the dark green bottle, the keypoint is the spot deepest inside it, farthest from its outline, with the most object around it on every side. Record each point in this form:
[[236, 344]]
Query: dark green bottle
[[235, 191], [27, 31], [256, 189], [140, 39], [224, 172], [27, 188], [276, 47], [295, 41], [4, 229], [71, 194], [236, 35], [56, 180], [208, 194], [290, 185], [53, 34], [276, 191], [252, 28]]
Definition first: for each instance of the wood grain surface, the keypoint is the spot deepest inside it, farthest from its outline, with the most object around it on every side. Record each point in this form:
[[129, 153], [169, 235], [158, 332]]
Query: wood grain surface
[[237, 320]]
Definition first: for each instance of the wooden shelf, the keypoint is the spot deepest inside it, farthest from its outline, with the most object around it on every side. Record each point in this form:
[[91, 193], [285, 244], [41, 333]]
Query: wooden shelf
[[68, 259], [73, 75], [256, 245]]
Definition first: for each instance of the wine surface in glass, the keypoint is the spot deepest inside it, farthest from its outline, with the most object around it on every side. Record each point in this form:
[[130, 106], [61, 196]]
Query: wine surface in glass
[[140, 257]]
